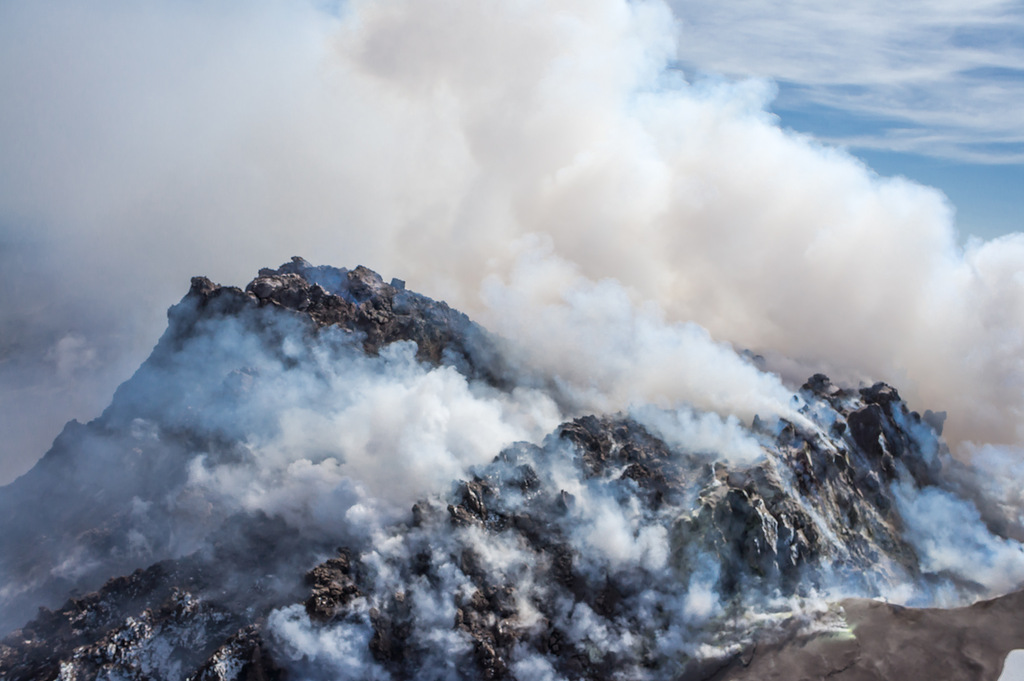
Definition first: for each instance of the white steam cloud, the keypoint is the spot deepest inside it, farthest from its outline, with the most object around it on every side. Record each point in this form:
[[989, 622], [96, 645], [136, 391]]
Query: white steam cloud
[[602, 353], [438, 142], [357, 442], [541, 165]]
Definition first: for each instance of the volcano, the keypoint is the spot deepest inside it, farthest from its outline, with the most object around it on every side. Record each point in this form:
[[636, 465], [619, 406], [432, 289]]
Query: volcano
[[328, 476]]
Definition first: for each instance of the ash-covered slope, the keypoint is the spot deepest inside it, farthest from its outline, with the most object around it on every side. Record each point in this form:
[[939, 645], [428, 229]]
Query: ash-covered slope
[[328, 476]]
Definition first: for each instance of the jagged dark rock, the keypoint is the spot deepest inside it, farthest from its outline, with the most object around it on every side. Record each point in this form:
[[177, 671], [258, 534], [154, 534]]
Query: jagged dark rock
[[604, 524], [359, 301], [150, 624], [243, 657], [821, 385], [749, 520], [332, 588]]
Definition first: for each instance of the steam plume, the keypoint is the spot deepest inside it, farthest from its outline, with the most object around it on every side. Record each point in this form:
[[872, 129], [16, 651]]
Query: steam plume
[[440, 142]]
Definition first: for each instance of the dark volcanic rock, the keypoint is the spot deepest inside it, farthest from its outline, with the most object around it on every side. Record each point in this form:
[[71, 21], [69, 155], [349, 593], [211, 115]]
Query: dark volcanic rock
[[610, 550], [143, 626], [811, 504], [359, 301], [243, 657], [331, 588], [159, 419]]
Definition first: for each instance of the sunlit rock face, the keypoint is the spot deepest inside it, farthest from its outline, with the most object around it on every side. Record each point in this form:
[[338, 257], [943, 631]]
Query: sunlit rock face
[[328, 476]]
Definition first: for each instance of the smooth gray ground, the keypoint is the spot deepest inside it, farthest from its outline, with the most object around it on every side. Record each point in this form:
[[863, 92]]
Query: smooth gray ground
[[896, 643]]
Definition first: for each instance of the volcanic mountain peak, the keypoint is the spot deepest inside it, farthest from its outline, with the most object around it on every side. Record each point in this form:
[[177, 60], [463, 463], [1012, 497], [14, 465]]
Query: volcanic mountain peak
[[357, 301], [322, 407]]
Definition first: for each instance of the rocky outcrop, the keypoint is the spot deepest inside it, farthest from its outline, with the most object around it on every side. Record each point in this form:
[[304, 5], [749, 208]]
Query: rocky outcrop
[[608, 550], [332, 588], [810, 506], [359, 302], [148, 625]]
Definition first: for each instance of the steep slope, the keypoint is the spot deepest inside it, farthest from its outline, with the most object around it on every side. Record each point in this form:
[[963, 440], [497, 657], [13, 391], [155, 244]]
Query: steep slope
[[322, 408]]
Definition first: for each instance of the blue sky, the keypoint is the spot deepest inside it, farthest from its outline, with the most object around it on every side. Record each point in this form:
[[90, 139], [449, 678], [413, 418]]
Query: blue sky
[[988, 195], [929, 89]]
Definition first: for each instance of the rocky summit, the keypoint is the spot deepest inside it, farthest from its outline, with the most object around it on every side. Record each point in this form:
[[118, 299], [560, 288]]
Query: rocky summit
[[239, 512]]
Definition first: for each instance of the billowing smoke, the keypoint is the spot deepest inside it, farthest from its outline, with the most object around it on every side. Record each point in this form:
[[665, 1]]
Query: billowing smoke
[[544, 167], [439, 142]]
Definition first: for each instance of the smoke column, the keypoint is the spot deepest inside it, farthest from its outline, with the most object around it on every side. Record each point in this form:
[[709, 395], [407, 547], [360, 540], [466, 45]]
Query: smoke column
[[514, 158]]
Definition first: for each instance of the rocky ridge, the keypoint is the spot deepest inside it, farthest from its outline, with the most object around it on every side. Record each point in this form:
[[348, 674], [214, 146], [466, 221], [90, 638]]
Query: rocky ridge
[[567, 556]]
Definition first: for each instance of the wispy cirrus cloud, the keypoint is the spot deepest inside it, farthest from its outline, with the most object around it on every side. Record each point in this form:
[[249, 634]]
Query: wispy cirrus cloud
[[931, 77]]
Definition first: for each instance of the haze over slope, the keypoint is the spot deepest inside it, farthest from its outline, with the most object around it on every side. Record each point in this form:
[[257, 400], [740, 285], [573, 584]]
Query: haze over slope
[[530, 162]]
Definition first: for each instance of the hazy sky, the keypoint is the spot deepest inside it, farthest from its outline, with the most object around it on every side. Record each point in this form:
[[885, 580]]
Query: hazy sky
[[691, 151]]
